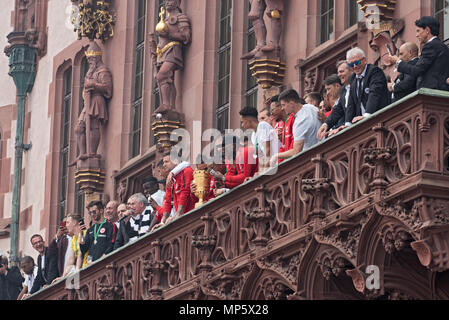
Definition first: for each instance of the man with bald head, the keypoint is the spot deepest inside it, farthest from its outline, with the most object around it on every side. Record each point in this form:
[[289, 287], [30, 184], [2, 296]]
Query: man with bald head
[[405, 84]]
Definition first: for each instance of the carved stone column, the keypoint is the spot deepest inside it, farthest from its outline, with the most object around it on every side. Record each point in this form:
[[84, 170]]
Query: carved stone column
[[318, 189], [157, 269], [260, 219], [113, 290], [377, 157], [205, 244]]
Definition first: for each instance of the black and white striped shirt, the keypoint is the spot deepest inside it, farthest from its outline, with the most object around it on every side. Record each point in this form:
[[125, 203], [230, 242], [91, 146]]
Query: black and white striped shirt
[[139, 225]]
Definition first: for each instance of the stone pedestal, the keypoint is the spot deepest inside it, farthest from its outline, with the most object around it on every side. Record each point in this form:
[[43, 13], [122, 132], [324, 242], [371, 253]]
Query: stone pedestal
[[163, 127], [268, 72], [90, 177]]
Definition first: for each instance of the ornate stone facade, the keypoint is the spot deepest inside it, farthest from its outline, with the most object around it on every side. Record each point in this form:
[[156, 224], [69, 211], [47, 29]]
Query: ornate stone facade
[[280, 238]]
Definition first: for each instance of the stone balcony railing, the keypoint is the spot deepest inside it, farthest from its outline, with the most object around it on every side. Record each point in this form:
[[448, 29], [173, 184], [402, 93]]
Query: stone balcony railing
[[374, 195]]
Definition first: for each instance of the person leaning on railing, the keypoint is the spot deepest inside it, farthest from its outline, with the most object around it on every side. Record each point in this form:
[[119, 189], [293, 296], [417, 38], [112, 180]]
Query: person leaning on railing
[[177, 193], [75, 260], [305, 127]]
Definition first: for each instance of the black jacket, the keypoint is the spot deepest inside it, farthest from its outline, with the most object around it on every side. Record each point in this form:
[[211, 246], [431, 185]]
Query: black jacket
[[125, 232], [104, 244], [337, 117], [432, 68], [374, 94], [59, 248], [405, 84], [11, 284], [50, 272]]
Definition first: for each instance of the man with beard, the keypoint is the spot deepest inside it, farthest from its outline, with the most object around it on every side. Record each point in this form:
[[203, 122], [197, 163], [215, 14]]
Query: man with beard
[[97, 91], [99, 237]]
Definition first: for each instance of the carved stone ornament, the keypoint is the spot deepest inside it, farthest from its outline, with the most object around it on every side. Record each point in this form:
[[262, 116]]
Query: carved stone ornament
[[93, 19], [286, 267], [319, 189], [30, 26], [380, 21], [228, 285]]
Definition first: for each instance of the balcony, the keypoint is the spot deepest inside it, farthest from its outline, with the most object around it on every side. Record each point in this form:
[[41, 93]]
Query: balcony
[[374, 197]]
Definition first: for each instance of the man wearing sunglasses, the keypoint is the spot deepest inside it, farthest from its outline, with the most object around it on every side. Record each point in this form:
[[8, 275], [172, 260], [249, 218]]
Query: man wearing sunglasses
[[98, 240], [369, 91]]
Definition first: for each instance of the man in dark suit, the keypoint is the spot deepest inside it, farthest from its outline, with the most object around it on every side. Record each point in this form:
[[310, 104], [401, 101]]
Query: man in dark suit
[[337, 116], [432, 68], [369, 91], [405, 84], [137, 224], [60, 245], [47, 263]]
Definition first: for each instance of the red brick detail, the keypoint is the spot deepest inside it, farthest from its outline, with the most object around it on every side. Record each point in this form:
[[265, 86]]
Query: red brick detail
[[25, 219]]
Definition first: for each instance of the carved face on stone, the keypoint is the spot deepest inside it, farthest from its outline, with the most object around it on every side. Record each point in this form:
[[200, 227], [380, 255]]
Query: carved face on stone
[[93, 61], [172, 4]]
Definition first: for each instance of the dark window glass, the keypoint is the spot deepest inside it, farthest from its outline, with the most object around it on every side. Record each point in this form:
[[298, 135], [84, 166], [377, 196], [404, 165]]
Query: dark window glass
[[224, 65], [139, 62], [354, 13], [65, 139], [251, 82], [442, 15], [327, 20]]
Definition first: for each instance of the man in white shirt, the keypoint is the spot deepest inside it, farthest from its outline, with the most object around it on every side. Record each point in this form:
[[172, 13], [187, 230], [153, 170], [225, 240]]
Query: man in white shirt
[[264, 138], [30, 272], [305, 128], [154, 194]]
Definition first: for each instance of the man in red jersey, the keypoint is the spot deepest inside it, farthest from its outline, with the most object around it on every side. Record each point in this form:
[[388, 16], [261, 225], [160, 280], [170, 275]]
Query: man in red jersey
[[239, 164], [178, 192]]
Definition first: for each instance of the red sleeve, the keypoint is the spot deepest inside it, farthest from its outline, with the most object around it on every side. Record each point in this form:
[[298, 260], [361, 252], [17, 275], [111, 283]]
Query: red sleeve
[[166, 206], [248, 171], [184, 195]]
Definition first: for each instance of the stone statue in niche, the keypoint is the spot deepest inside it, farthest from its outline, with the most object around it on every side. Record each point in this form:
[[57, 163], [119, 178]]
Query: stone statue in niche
[[173, 32], [97, 92], [274, 10]]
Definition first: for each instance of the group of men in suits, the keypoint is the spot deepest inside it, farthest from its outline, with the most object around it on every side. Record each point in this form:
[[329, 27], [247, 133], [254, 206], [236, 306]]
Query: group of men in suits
[[364, 87]]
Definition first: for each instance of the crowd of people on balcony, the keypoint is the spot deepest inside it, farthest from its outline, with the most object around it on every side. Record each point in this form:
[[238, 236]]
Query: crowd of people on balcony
[[287, 126]]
